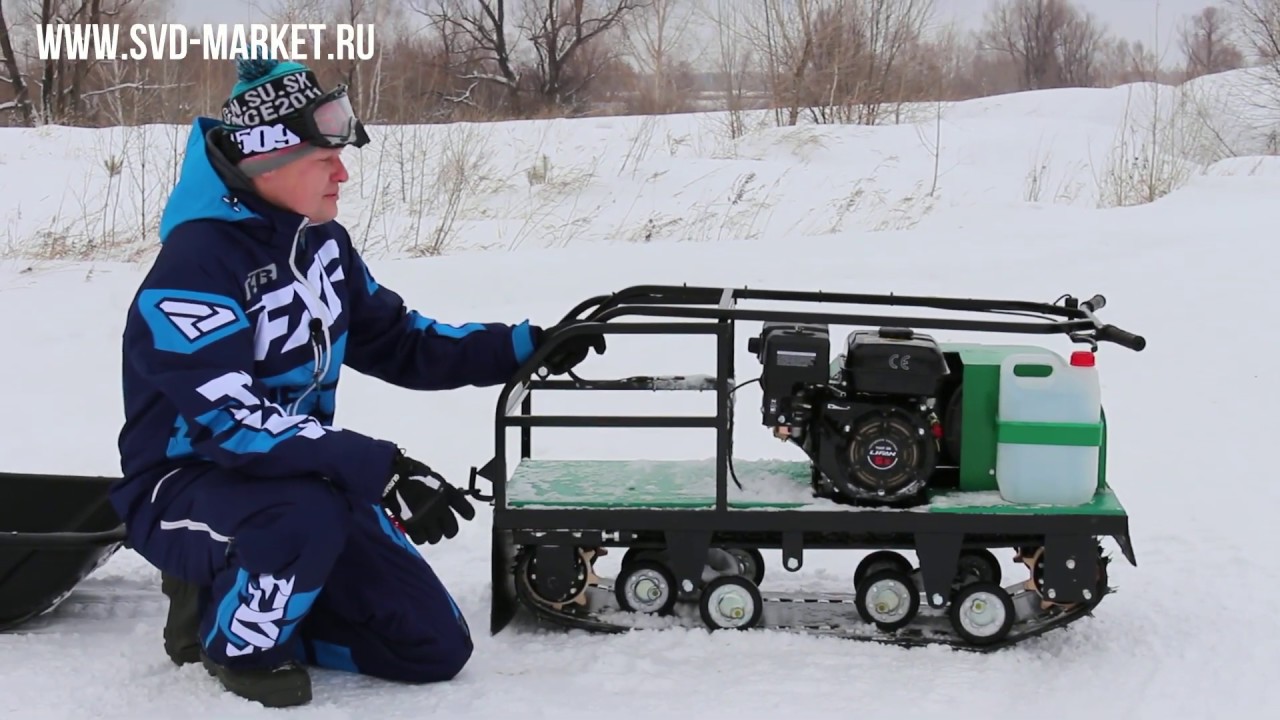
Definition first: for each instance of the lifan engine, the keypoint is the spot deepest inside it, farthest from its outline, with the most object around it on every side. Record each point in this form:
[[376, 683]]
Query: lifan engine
[[866, 420]]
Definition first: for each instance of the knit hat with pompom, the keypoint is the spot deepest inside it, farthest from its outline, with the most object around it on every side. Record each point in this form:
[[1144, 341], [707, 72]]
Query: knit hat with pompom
[[266, 91]]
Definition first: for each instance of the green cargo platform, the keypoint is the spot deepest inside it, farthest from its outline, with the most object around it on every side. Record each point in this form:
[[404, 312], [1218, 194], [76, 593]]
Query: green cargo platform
[[766, 485]]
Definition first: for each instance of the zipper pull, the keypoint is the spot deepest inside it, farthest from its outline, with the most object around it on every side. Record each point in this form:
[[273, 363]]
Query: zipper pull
[[318, 349]]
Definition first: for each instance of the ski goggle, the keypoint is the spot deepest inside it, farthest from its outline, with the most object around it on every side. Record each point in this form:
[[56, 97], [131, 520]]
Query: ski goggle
[[329, 121]]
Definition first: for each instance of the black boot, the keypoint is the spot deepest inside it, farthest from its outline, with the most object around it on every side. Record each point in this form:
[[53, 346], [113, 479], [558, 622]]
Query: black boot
[[182, 626], [285, 685]]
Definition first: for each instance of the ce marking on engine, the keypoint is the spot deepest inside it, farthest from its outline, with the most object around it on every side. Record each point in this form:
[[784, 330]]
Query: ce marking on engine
[[898, 361]]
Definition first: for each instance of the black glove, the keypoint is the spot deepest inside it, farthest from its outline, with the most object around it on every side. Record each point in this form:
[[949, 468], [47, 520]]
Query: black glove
[[424, 502], [570, 352]]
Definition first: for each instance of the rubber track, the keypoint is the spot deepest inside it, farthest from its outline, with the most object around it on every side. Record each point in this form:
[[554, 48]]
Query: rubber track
[[931, 626]]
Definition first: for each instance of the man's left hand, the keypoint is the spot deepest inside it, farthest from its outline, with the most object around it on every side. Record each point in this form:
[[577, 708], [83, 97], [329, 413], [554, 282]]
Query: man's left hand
[[424, 502]]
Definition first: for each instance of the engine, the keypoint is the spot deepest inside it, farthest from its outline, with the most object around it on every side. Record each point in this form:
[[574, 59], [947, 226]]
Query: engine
[[865, 420]]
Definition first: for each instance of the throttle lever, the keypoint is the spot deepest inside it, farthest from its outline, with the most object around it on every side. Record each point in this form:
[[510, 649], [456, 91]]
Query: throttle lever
[[474, 491]]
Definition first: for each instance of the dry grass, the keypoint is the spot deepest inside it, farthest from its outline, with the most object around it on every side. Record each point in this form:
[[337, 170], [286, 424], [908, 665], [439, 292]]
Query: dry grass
[[1155, 150]]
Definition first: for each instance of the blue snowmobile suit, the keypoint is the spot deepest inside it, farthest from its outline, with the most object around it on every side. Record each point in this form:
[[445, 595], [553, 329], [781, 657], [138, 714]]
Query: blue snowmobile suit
[[234, 476]]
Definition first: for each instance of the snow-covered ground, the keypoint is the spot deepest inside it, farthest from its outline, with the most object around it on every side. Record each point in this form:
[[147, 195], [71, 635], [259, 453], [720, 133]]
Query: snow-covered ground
[[1188, 635], [685, 178]]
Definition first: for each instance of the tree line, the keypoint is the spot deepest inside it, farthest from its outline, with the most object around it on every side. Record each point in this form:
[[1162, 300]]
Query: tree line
[[480, 60]]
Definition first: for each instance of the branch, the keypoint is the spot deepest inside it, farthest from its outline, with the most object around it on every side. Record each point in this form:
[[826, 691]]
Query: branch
[[489, 77], [462, 99], [135, 86]]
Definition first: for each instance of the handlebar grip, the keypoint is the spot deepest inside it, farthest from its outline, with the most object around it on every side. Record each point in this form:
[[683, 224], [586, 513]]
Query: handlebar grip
[[1095, 303], [1123, 338]]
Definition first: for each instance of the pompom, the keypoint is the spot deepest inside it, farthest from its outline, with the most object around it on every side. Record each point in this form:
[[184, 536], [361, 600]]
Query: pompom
[[255, 67]]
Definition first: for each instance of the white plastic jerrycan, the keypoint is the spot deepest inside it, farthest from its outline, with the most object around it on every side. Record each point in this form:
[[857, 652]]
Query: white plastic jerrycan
[[1049, 429]]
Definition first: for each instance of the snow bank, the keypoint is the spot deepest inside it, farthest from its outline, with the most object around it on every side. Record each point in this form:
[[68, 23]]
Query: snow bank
[[428, 190]]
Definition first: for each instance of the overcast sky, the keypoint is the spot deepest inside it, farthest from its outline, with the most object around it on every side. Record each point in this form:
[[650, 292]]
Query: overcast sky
[[1145, 20]]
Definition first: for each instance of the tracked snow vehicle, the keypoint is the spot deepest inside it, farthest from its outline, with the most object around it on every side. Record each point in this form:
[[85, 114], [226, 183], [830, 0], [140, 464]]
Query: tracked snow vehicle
[[898, 443]]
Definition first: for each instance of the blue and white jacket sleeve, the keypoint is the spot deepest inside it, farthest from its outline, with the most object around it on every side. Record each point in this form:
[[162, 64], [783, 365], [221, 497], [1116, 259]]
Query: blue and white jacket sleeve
[[391, 342], [199, 353]]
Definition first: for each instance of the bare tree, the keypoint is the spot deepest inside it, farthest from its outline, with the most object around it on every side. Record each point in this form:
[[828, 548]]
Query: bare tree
[[477, 45], [21, 99], [733, 62], [363, 76], [1206, 40], [887, 67], [841, 60], [1128, 62], [657, 42], [1259, 22], [955, 69], [1080, 45], [784, 35], [544, 49], [1053, 43], [59, 87], [562, 33], [292, 11]]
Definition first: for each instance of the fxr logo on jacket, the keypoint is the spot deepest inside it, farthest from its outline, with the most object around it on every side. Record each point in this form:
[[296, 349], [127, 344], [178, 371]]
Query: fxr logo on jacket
[[276, 308], [263, 423]]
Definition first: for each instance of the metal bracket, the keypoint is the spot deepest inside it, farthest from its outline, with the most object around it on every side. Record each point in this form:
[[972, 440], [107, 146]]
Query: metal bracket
[[687, 554], [1070, 568], [556, 569], [792, 551], [939, 558]]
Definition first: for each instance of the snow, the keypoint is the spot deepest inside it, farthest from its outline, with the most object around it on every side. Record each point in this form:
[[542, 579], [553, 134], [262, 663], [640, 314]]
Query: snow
[[1190, 418], [1031, 157]]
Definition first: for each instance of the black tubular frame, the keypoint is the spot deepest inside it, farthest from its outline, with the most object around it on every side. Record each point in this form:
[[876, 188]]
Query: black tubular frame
[[685, 310]]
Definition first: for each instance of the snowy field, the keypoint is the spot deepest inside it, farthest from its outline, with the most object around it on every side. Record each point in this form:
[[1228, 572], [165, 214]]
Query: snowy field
[[1191, 418], [428, 190]]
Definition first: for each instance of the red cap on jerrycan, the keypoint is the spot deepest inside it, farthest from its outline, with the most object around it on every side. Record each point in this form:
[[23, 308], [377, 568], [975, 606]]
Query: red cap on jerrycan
[[1082, 358]]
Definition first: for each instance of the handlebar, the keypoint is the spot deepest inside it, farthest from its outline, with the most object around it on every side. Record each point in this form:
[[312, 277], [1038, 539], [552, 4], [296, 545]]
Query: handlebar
[[1123, 338], [1111, 333]]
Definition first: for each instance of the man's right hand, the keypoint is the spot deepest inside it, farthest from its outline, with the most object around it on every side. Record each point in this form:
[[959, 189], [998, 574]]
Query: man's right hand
[[571, 352], [424, 502]]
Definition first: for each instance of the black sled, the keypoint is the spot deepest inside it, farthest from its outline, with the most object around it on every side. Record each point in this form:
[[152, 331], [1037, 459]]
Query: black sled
[[54, 531]]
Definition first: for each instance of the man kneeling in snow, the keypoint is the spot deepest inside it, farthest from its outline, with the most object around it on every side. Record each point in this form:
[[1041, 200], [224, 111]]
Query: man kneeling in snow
[[279, 537]]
